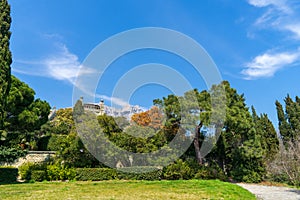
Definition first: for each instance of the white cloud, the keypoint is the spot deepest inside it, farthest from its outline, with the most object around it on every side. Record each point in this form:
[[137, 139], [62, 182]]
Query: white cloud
[[279, 16], [267, 64], [63, 65], [278, 4], [295, 29]]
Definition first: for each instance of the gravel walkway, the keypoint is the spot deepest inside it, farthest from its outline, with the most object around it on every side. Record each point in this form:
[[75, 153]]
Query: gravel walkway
[[272, 192]]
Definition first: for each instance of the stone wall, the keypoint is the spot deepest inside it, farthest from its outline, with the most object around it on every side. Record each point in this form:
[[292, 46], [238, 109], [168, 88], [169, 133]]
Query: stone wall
[[32, 156]]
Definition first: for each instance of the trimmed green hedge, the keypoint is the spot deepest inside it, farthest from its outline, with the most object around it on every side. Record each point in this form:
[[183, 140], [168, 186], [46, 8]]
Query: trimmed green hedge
[[140, 173], [99, 174], [8, 174], [95, 174]]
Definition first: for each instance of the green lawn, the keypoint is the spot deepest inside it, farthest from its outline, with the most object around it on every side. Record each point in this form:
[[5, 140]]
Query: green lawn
[[191, 189]]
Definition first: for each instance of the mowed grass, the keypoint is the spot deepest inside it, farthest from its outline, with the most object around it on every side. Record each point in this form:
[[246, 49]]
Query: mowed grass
[[128, 190]]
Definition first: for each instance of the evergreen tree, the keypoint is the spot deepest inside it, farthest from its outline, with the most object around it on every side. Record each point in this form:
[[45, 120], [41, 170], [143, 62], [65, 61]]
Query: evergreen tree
[[239, 151], [5, 60], [24, 113], [239, 142], [267, 134], [289, 120]]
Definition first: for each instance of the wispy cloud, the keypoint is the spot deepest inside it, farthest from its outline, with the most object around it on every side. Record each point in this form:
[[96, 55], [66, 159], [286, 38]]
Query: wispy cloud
[[280, 16], [277, 4], [267, 64], [62, 65]]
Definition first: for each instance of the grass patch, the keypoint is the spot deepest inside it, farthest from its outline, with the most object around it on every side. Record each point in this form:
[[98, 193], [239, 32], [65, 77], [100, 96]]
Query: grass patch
[[108, 190]]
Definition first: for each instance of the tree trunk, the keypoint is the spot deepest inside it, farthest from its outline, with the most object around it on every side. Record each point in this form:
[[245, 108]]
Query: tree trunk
[[197, 145]]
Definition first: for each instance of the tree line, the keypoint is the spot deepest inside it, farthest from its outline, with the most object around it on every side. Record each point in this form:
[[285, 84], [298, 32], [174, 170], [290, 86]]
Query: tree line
[[248, 147]]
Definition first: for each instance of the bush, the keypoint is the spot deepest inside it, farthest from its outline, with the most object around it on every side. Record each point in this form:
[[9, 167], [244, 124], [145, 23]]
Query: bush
[[206, 173], [285, 167], [40, 172], [8, 174], [38, 175], [178, 170], [212, 171], [25, 170], [57, 172], [28, 168], [95, 174]]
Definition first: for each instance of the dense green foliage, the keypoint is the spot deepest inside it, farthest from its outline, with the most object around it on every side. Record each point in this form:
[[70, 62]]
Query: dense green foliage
[[95, 174], [267, 133], [10, 154], [5, 62], [289, 119], [20, 114], [24, 114], [241, 148], [8, 175], [43, 171]]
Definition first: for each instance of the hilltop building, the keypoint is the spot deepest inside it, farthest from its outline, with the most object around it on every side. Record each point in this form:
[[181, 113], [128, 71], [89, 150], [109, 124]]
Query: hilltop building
[[101, 109]]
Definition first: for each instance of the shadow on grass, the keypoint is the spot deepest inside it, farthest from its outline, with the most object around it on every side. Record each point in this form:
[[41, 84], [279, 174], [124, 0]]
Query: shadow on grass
[[15, 182]]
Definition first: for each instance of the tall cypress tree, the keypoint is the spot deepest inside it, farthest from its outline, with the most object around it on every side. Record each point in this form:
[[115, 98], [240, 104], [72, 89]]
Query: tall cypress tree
[[267, 134], [5, 59], [289, 120]]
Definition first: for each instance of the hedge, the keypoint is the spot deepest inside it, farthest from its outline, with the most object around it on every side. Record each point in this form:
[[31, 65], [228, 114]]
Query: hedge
[[99, 174], [8, 174], [95, 174], [140, 173]]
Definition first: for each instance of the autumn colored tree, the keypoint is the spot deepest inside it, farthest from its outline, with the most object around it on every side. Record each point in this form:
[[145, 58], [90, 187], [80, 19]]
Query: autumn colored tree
[[152, 118]]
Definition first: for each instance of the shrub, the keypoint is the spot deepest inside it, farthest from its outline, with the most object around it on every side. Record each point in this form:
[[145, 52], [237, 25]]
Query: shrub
[[28, 168], [95, 174], [39, 175], [25, 170], [57, 172], [210, 172], [285, 167], [8, 174], [178, 170]]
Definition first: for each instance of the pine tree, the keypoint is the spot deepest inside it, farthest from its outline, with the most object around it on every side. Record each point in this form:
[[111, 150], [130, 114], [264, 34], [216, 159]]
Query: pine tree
[[5, 59]]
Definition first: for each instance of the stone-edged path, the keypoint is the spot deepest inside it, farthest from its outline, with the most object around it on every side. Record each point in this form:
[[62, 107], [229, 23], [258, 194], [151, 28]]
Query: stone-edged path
[[272, 192]]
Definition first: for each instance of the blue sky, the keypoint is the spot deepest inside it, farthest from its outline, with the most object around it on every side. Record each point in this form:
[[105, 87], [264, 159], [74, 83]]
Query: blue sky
[[254, 43]]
